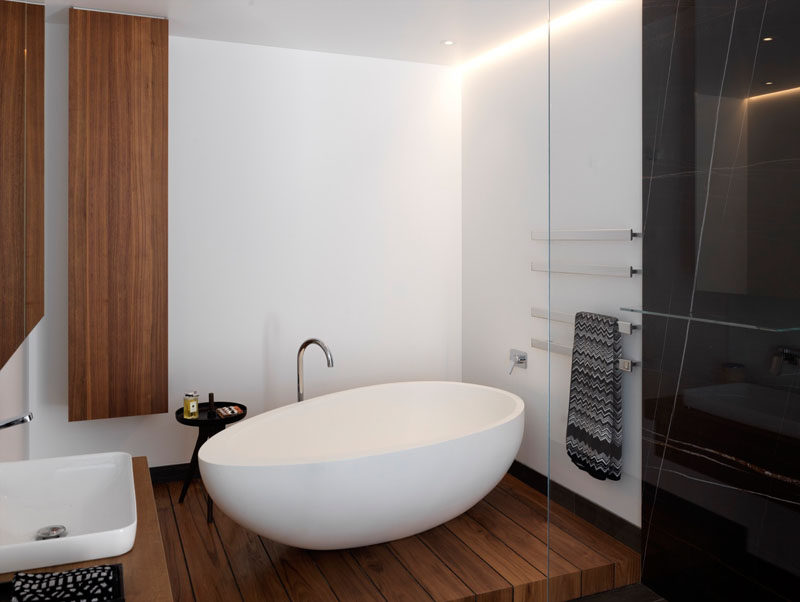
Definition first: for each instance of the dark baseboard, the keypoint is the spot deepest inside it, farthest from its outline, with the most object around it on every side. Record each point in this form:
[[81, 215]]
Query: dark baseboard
[[168, 473], [606, 521]]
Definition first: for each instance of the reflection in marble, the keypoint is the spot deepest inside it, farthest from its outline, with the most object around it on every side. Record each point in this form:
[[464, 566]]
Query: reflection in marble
[[721, 403]]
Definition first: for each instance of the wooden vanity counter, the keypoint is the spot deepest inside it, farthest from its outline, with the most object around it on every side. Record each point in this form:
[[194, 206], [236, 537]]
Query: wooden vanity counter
[[144, 568]]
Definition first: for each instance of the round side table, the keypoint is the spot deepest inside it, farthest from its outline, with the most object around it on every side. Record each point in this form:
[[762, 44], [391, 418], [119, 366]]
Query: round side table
[[208, 427]]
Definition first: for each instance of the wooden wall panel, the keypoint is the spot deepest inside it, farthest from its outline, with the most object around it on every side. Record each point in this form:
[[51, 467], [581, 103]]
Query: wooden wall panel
[[12, 178], [117, 215], [21, 173], [34, 169]]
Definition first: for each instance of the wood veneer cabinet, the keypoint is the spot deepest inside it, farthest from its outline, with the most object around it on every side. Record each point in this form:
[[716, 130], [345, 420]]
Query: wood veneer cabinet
[[117, 215], [21, 173]]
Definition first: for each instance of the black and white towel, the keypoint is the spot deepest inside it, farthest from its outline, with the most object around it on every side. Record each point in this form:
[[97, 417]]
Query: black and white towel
[[594, 421], [101, 583]]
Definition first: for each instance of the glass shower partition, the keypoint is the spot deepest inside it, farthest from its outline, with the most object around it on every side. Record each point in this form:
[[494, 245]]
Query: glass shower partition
[[587, 266], [504, 198]]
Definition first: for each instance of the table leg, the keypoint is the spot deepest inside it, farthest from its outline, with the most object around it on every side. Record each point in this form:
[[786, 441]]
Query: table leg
[[201, 438]]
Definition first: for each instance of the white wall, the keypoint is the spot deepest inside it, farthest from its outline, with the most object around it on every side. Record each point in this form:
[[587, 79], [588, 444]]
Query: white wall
[[13, 402], [504, 192], [310, 195], [321, 195], [595, 75]]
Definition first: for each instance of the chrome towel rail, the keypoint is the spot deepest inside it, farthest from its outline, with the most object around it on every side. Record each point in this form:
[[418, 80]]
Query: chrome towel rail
[[617, 271], [538, 312], [625, 234], [623, 364]]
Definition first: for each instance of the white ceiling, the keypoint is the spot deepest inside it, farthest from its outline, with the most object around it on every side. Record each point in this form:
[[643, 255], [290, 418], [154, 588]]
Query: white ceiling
[[409, 30]]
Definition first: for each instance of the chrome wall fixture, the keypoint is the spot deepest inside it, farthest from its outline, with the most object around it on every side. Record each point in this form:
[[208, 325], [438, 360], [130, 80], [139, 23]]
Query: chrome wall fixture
[[300, 354], [519, 359], [597, 235], [538, 312], [623, 364], [18, 420], [625, 234], [616, 271]]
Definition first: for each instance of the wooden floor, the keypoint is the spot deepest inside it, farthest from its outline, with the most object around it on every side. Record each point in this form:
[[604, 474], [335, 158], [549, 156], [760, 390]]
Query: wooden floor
[[494, 552]]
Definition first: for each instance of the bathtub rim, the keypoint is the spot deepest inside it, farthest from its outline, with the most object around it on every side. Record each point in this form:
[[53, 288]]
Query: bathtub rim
[[517, 413]]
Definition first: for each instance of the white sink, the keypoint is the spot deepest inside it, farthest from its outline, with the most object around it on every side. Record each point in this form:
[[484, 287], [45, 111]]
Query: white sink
[[91, 495]]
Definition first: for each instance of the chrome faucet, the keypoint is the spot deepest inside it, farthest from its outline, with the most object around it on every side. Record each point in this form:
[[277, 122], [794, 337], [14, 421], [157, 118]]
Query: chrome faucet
[[18, 420], [784, 356], [300, 353]]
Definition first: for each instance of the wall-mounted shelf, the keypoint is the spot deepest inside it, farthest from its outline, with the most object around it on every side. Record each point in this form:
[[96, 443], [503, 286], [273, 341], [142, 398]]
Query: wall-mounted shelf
[[762, 327], [625, 234], [615, 271], [538, 312], [623, 364]]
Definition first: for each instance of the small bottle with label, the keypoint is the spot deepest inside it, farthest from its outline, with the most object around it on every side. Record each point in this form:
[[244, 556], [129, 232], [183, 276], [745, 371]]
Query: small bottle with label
[[212, 408], [191, 402]]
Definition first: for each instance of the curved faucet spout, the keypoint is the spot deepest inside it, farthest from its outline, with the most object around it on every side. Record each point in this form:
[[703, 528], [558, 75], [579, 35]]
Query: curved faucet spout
[[300, 353], [18, 420]]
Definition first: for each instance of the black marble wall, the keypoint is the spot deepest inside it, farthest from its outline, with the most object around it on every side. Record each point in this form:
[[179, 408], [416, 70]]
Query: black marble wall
[[721, 381]]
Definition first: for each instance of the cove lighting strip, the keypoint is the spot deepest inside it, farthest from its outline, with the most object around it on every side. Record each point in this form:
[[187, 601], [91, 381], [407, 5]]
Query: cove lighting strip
[[539, 33], [774, 94]]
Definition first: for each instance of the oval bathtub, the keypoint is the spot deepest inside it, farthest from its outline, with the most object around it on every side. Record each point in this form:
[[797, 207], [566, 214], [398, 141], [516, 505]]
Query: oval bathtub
[[366, 465]]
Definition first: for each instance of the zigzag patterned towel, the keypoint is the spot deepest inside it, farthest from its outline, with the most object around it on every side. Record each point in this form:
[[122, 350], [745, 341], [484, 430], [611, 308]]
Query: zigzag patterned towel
[[594, 421]]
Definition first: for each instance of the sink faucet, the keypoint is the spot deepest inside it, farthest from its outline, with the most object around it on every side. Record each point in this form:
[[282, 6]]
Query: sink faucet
[[18, 420], [300, 353], [784, 356]]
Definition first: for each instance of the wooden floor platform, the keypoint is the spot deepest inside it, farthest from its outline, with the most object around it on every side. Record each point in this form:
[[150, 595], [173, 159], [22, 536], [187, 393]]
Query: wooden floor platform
[[496, 551]]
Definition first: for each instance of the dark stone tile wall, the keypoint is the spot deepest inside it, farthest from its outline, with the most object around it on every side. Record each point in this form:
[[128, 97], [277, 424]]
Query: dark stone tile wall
[[721, 381]]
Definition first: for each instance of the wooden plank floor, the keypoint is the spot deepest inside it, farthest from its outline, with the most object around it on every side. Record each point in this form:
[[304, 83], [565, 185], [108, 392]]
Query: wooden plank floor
[[496, 551]]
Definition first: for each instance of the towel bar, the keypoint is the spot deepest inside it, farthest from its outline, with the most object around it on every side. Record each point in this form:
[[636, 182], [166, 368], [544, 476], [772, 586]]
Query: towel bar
[[623, 364], [626, 234], [538, 312], [618, 271]]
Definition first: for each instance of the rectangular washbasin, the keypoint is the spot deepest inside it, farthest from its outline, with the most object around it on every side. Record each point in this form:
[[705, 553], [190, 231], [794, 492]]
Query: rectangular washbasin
[[91, 495]]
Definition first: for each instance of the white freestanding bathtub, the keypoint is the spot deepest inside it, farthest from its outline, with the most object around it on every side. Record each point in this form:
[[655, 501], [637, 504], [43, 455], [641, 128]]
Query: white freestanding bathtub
[[366, 465]]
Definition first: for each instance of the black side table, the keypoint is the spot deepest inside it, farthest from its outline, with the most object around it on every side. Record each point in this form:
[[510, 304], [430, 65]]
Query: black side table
[[209, 426]]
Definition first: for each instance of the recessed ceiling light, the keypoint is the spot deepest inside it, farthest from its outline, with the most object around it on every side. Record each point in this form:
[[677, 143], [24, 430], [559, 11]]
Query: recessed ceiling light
[[768, 83], [448, 42], [767, 39]]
